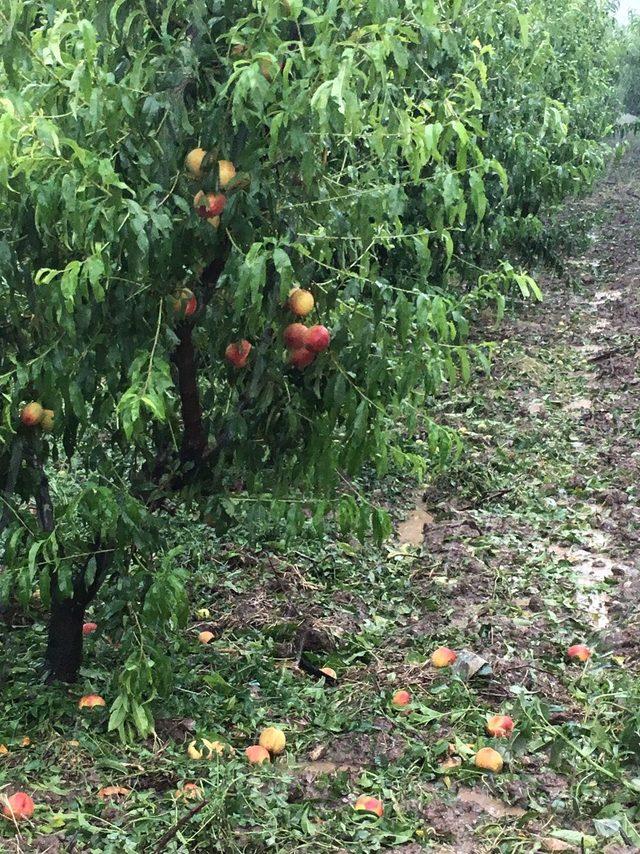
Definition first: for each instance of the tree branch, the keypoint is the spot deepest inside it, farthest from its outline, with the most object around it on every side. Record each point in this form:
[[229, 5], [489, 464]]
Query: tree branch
[[12, 477]]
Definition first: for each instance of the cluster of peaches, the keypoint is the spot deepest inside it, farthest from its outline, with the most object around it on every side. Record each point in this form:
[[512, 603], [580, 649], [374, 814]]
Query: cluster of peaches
[[303, 343]]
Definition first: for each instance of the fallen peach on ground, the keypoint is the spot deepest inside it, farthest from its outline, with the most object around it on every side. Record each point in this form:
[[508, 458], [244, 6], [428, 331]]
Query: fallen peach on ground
[[579, 651], [489, 760], [443, 657], [19, 806], [256, 754], [273, 740], [367, 803], [500, 726]]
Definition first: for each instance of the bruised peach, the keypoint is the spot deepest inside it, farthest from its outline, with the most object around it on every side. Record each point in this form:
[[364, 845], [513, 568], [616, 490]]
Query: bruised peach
[[329, 671], [206, 637], [367, 803], [256, 754], [500, 726]]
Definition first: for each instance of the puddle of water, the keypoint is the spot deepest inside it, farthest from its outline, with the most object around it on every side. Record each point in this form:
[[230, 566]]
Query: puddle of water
[[589, 569], [411, 531], [495, 808]]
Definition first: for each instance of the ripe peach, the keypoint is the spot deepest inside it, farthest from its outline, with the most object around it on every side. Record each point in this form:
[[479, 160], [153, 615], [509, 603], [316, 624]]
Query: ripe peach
[[367, 803], [401, 698], [18, 806], [206, 637], [193, 161], [329, 671], [226, 172], [579, 651], [256, 754], [443, 657], [295, 336], [47, 422], [185, 303], [31, 414], [301, 357], [91, 701], [500, 726], [237, 353], [273, 740], [318, 338], [89, 628], [489, 760], [208, 205], [113, 792], [301, 302]]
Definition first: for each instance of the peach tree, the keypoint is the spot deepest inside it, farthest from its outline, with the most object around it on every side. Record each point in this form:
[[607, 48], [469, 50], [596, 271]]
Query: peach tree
[[169, 174]]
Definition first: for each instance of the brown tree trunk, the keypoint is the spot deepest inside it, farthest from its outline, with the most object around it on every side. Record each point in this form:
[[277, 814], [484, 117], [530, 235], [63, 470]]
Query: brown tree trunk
[[64, 650]]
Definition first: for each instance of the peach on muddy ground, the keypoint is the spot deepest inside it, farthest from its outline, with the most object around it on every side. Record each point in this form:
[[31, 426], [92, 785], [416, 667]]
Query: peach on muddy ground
[[401, 698], [369, 804], [443, 657], [489, 760], [500, 726], [579, 651], [329, 671]]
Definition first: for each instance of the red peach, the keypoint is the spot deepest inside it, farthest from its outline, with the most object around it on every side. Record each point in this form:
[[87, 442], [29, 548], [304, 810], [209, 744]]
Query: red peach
[[237, 353], [500, 726], [256, 754], [89, 628], [19, 806], [579, 651], [318, 338], [295, 336], [366, 803], [301, 357], [443, 657], [401, 698]]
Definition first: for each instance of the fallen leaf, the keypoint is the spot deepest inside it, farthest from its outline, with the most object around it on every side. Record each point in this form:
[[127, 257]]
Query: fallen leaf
[[551, 844]]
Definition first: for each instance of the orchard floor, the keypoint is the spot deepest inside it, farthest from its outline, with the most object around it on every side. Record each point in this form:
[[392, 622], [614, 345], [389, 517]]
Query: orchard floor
[[530, 544]]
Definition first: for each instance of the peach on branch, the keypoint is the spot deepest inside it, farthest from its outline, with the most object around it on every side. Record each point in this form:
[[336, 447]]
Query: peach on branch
[[237, 353], [193, 161], [369, 804], [89, 628], [301, 358], [48, 420], [318, 338], [273, 740], [91, 701], [500, 726], [31, 414], [301, 302], [226, 172], [295, 336], [208, 205], [256, 754], [18, 807], [443, 657], [185, 303]]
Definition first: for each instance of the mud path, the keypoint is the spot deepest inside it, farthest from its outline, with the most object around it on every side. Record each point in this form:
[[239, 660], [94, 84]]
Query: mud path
[[535, 544]]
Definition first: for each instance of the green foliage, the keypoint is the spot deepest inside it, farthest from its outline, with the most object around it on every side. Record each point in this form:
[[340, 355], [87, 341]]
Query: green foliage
[[630, 67], [392, 149]]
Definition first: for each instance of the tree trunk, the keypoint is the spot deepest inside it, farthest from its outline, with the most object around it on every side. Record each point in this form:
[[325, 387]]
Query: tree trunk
[[64, 650]]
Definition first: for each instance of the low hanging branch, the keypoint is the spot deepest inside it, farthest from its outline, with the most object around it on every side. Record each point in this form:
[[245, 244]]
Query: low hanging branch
[[15, 460]]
